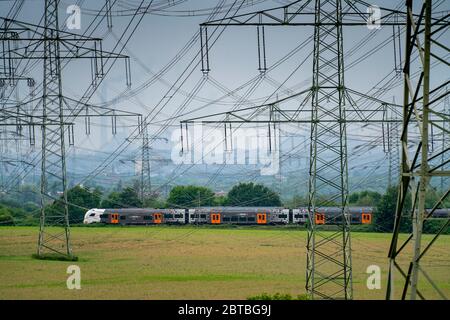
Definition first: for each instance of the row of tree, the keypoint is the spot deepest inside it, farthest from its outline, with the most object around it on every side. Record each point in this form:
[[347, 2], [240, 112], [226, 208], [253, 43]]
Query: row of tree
[[243, 194], [81, 199]]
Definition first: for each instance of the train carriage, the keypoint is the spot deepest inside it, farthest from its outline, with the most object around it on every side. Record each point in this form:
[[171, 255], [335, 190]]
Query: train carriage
[[174, 216], [93, 216], [232, 215], [279, 216], [132, 216], [238, 215], [333, 215], [235, 215], [198, 216], [439, 213], [299, 216]]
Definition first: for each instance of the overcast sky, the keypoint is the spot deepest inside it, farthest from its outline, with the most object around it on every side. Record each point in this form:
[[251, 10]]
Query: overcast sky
[[233, 58]]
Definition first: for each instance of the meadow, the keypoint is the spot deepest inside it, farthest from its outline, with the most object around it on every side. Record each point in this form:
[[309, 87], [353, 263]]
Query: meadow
[[188, 262]]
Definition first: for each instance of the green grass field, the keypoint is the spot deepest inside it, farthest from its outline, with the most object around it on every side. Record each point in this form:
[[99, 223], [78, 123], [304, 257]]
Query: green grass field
[[190, 263]]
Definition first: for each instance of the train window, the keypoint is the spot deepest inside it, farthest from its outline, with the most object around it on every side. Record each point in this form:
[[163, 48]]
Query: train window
[[168, 216], [226, 219], [123, 217], [251, 219], [203, 216], [242, 219], [234, 218], [297, 216], [148, 217], [178, 216], [282, 216], [92, 214], [192, 216]]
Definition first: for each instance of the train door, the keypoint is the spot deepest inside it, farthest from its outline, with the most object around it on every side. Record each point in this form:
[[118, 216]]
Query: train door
[[215, 218], [115, 218], [157, 218], [261, 218], [320, 218], [366, 218]]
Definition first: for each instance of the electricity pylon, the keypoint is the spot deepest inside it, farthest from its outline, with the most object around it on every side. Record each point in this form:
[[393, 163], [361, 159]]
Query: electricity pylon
[[391, 147], [53, 46], [144, 159], [421, 165], [53, 140], [333, 107], [145, 178], [146, 183]]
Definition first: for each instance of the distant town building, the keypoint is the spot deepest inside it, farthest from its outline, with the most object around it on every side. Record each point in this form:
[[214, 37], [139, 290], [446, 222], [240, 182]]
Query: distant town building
[[220, 193]]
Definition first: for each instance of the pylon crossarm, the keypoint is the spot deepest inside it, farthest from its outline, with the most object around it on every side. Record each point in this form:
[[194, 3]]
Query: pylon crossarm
[[16, 26], [26, 119], [100, 110], [15, 105], [282, 16]]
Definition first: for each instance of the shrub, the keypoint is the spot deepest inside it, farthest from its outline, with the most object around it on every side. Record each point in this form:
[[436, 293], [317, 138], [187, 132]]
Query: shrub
[[278, 296]]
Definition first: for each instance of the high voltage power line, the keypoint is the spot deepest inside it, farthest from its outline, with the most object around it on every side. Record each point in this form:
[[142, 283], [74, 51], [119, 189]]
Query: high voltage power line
[[333, 107]]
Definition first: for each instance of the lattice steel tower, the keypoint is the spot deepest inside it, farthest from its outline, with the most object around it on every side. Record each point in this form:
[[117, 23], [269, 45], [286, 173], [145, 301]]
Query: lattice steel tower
[[332, 108], [422, 166], [53, 141], [329, 254], [53, 112], [146, 183]]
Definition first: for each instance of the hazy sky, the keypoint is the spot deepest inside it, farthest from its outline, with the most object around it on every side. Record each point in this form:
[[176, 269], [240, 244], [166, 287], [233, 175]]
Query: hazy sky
[[234, 62]]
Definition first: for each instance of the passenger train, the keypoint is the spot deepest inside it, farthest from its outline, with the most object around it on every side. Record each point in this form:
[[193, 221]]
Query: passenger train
[[225, 215]]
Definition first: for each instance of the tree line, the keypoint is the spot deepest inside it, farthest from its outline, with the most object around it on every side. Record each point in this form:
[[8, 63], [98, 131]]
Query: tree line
[[23, 209]]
